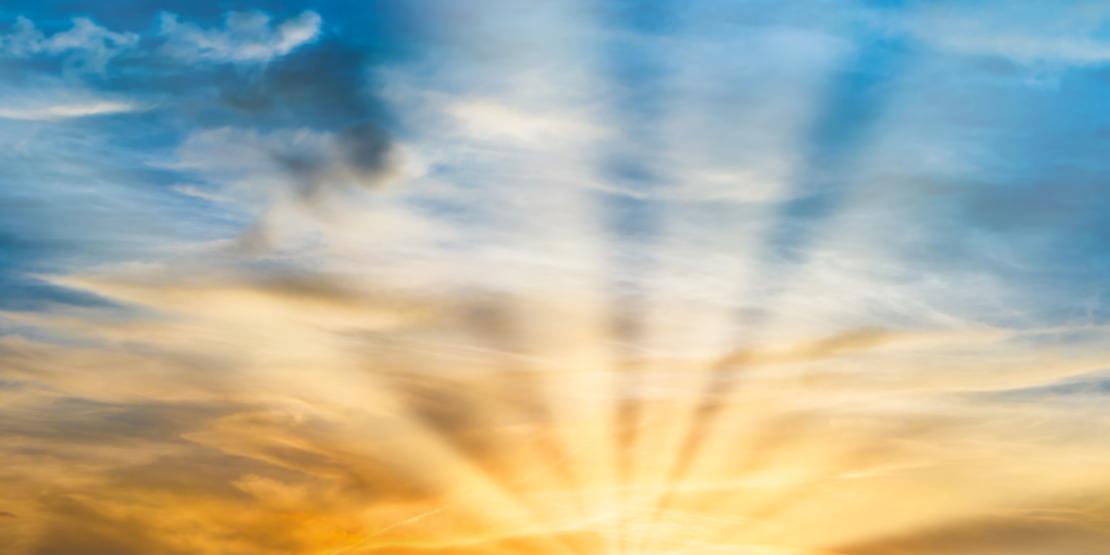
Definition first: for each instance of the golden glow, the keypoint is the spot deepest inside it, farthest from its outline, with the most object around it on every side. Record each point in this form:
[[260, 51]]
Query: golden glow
[[360, 422]]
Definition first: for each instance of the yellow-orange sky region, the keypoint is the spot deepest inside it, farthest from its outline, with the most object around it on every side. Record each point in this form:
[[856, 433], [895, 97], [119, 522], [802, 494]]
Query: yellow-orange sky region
[[311, 414]]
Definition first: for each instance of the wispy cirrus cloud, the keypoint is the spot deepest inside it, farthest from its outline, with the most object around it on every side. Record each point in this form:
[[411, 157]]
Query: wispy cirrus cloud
[[246, 37], [1069, 34], [89, 45], [53, 112]]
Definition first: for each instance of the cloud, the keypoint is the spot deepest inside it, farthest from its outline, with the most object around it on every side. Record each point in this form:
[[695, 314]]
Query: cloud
[[66, 111], [246, 37], [302, 165], [1071, 33], [201, 193], [308, 170], [1037, 530], [90, 45], [488, 119], [259, 449], [52, 98], [314, 439]]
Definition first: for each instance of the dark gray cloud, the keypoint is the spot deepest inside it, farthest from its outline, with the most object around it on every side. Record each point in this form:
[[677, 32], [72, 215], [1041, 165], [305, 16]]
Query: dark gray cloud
[[323, 85], [358, 157]]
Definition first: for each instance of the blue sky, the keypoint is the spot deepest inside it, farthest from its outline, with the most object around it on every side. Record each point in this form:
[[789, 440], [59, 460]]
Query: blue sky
[[981, 127], [225, 217]]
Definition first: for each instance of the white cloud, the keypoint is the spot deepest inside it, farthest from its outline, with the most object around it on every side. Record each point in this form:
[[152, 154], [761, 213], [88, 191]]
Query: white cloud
[[1027, 34], [91, 45], [245, 37], [710, 184], [491, 119], [1028, 49], [65, 111], [52, 99], [200, 193]]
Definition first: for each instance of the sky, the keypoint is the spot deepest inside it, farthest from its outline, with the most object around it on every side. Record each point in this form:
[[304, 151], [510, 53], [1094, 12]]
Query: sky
[[573, 277]]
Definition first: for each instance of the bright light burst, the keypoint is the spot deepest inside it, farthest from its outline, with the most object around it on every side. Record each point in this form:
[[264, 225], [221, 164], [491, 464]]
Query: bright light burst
[[554, 277]]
